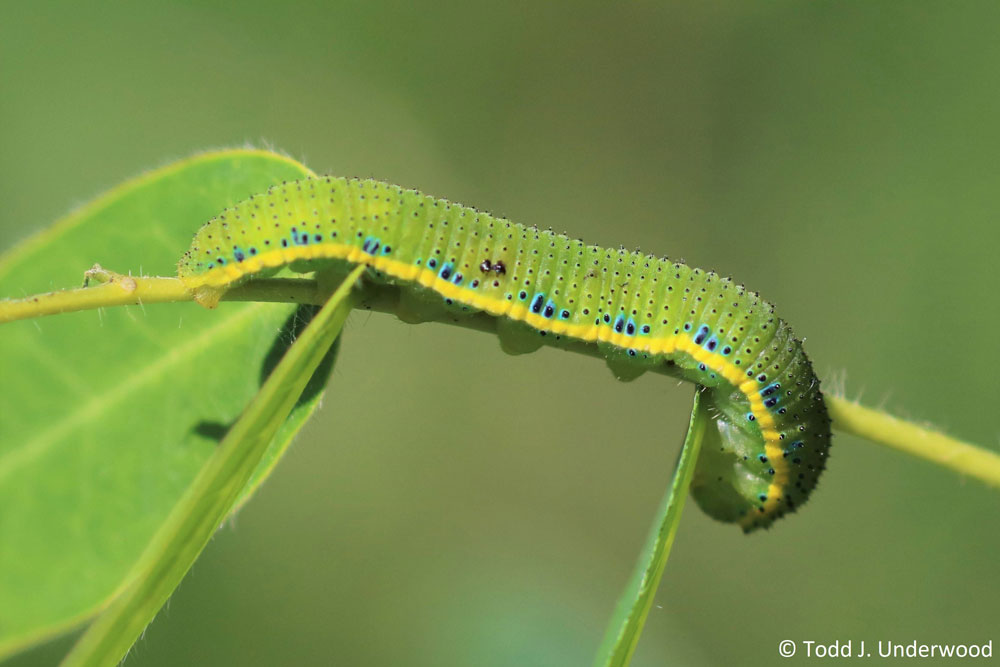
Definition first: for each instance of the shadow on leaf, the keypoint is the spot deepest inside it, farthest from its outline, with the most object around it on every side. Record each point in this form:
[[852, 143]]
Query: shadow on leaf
[[289, 333]]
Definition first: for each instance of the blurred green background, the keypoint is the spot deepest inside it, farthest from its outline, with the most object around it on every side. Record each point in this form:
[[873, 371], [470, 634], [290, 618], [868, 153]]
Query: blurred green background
[[842, 158]]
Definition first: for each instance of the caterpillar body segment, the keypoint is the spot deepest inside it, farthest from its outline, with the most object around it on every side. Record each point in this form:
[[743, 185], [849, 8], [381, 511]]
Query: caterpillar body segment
[[771, 431]]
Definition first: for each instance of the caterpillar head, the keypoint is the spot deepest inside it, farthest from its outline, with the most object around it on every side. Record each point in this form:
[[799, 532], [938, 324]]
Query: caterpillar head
[[733, 479]]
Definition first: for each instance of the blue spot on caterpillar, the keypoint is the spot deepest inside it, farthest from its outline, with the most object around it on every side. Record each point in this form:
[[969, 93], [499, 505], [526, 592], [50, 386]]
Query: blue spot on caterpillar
[[771, 433]]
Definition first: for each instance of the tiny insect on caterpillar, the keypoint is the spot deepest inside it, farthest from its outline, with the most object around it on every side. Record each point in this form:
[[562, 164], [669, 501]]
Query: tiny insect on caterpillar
[[771, 432]]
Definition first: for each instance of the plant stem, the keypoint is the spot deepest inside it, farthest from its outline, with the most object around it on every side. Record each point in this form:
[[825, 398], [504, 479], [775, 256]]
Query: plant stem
[[120, 290], [920, 441], [848, 417], [630, 615]]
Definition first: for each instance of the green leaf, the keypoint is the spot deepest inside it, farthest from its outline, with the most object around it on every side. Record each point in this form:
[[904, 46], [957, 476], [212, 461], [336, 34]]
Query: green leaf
[[622, 634], [189, 527], [107, 416]]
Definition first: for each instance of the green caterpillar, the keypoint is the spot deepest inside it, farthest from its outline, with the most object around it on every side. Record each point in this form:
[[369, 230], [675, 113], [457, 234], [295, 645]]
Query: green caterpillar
[[772, 432]]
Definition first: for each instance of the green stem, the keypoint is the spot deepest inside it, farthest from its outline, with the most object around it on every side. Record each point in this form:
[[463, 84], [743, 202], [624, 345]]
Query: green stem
[[208, 500], [121, 290], [920, 441], [848, 417], [630, 615]]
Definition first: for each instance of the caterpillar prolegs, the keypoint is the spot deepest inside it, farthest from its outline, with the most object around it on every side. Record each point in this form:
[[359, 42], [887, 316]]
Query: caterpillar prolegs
[[771, 431]]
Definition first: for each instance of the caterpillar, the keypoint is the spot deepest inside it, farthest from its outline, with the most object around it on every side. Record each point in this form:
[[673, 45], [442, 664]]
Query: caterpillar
[[771, 432]]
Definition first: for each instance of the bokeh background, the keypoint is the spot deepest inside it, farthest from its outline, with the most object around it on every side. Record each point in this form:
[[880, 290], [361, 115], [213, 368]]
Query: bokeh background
[[474, 508]]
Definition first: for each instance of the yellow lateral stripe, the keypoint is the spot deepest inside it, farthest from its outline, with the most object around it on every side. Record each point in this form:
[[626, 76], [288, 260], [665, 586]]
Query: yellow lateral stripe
[[221, 276]]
